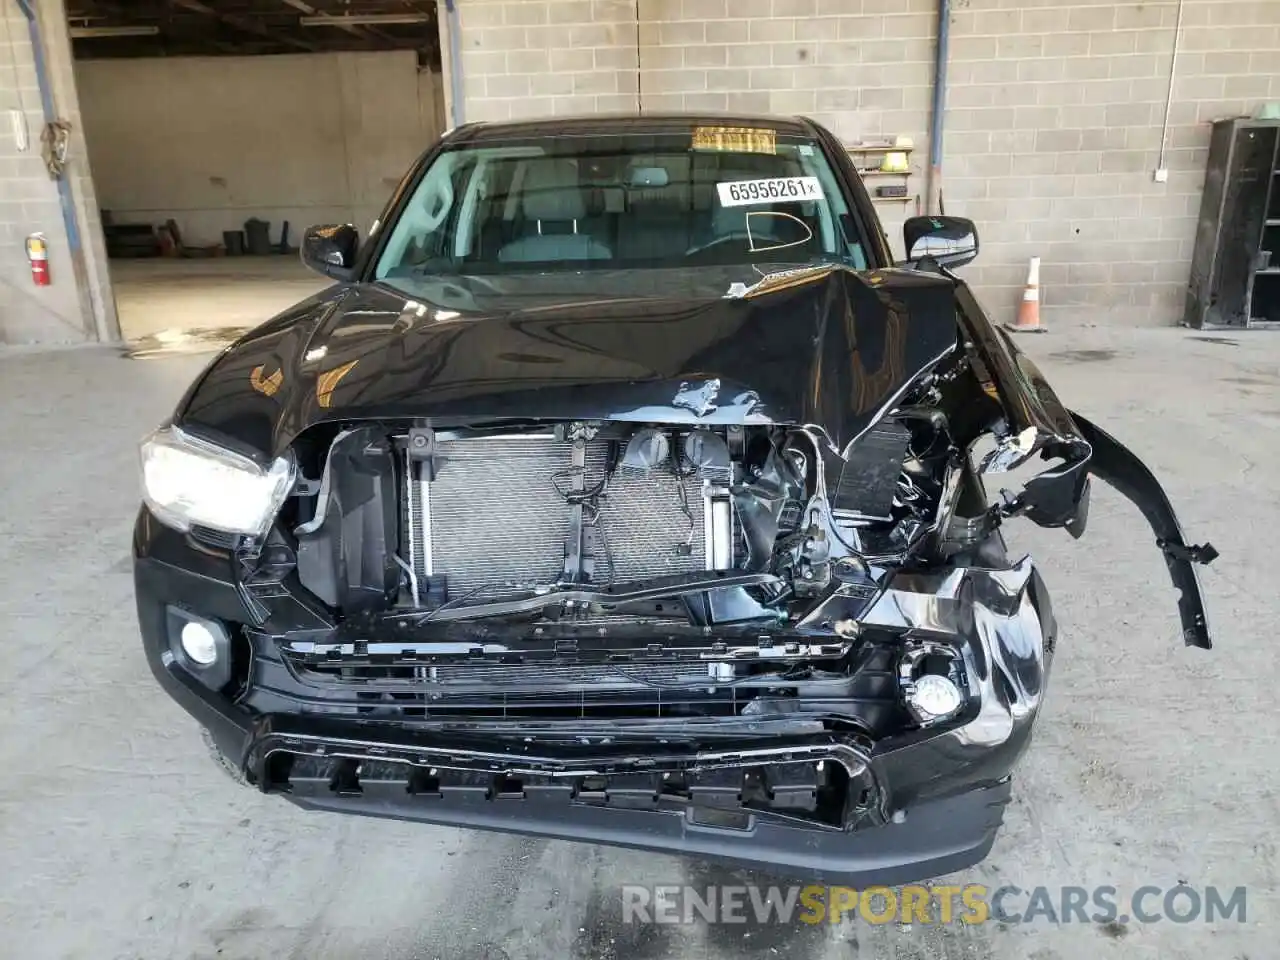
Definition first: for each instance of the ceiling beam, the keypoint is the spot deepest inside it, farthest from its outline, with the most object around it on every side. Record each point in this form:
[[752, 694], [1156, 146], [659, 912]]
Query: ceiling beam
[[241, 23], [98, 7], [364, 33], [120, 13]]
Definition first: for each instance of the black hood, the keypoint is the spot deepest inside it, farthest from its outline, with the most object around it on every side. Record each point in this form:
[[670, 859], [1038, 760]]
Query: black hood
[[828, 347]]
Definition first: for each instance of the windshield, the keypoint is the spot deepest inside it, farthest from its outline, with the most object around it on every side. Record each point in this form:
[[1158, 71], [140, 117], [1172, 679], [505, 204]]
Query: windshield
[[709, 197]]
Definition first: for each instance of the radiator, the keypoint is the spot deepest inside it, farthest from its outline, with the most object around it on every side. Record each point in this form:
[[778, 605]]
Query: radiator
[[493, 515]]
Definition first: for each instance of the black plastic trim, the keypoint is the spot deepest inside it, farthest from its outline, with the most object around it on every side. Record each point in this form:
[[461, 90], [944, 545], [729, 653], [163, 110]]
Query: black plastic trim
[[934, 838]]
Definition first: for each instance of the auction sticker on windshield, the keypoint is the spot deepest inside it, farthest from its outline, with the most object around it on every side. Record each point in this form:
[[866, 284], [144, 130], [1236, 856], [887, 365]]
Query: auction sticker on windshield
[[739, 193]]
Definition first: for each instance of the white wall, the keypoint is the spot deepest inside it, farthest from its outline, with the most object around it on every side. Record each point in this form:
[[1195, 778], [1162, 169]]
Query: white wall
[[78, 304], [213, 141]]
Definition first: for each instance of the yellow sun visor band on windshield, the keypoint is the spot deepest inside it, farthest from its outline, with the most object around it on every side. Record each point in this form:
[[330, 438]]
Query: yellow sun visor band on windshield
[[735, 139]]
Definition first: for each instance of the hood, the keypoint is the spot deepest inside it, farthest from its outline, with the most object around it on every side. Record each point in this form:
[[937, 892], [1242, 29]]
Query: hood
[[828, 347]]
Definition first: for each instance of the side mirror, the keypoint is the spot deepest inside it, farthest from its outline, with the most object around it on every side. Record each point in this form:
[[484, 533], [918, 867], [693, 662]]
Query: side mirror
[[331, 250], [948, 241]]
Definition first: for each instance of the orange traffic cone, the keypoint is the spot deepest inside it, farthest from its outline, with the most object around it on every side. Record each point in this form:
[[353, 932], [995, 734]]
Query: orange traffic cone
[[1028, 320]]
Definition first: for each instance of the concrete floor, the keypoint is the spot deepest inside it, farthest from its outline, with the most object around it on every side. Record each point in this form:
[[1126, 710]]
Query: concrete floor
[[154, 295], [1153, 763]]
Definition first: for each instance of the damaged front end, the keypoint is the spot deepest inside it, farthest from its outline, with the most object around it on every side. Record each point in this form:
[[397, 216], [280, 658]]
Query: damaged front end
[[703, 627]]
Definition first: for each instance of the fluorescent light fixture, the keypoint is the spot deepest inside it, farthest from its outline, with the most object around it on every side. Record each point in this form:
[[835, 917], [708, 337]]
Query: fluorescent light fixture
[[86, 33], [364, 20]]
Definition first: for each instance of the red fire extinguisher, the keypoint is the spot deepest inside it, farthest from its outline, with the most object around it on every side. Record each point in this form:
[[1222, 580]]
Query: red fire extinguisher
[[38, 255]]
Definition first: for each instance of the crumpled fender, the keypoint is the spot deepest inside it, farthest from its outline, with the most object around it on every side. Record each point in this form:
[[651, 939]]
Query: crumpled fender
[[1115, 464], [1038, 422]]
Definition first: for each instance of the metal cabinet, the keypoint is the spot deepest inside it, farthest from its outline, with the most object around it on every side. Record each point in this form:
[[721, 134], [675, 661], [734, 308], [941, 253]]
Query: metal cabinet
[[1235, 268]]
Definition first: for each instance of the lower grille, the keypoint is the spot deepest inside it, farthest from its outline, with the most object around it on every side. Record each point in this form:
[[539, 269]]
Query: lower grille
[[542, 684], [521, 677], [497, 513]]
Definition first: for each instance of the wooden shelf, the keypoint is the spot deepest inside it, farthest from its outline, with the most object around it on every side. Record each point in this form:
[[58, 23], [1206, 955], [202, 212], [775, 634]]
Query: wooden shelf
[[876, 172], [875, 148]]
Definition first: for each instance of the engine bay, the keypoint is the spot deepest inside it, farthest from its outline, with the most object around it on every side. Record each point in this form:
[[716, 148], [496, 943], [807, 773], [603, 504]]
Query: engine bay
[[617, 522], [628, 570]]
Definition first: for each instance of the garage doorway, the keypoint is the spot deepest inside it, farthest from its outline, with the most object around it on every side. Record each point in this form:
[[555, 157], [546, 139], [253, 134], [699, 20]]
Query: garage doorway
[[218, 130]]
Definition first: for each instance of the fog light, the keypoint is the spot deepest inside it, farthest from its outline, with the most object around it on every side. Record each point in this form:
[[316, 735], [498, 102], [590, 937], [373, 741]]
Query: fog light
[[932, 697], [199, 648], [199, 643]]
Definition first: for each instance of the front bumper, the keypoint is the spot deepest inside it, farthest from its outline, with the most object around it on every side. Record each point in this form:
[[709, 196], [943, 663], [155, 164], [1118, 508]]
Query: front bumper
[[630, 810], [931, 801]]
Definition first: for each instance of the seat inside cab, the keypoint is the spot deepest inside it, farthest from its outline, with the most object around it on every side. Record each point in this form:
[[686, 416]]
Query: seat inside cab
[[635, 210]]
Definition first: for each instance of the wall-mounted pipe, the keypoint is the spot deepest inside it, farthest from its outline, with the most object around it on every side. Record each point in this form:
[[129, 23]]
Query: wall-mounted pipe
[[457, 111], [70, 222], [1173, 73], [941, 56]]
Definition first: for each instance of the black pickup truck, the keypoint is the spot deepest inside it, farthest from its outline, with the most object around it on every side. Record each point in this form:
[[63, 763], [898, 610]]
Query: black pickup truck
[[623, 489]]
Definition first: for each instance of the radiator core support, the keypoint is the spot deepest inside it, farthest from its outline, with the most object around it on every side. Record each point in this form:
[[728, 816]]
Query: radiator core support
[[486, 512]]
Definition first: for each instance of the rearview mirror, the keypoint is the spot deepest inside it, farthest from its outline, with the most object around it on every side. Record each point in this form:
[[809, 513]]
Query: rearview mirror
[[948, 241], [331, 250]]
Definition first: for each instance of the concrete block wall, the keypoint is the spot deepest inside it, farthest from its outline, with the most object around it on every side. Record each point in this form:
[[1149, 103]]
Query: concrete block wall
[[1054, 119], [1054, 123], [861, 67], [548, 57], [78, 306]]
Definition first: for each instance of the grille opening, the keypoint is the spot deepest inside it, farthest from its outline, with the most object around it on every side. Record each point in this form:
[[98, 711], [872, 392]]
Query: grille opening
[[675, 785], [833, 793], [479, 688], [506, 787], [345, 779], [723, 819], [423, 783], [755, 788], [820, 792], [618, 689], [276, 772], [590, 789], [580, 704], [635, 681]]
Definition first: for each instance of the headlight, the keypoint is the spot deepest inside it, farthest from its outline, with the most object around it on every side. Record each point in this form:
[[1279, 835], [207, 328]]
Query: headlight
[[187, 481]]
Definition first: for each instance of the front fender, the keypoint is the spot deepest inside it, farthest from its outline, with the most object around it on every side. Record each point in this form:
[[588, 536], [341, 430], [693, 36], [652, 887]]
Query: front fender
[[1115, 464], [1037, 421]]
